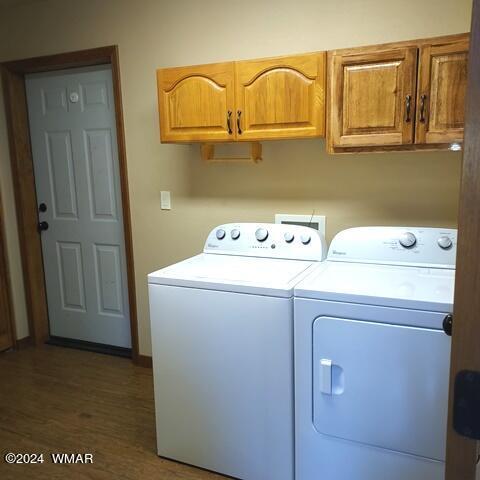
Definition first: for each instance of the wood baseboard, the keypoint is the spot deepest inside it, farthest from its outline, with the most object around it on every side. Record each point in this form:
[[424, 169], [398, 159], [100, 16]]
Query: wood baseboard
[[24, 342], [144, 361]]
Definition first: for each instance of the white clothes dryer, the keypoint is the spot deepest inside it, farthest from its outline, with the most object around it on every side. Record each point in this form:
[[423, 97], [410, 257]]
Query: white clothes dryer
[[372, 357], [222, 341]]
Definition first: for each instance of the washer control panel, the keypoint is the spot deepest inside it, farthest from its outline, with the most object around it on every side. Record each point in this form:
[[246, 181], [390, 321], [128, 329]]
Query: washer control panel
[[267, 240], [431, 247]]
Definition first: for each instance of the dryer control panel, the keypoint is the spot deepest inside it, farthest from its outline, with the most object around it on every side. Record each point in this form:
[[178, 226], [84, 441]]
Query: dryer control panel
[[268, 240], [413, 246]]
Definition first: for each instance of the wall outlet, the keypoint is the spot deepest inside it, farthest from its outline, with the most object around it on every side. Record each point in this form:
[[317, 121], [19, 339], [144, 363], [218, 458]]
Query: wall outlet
[[165, 203]]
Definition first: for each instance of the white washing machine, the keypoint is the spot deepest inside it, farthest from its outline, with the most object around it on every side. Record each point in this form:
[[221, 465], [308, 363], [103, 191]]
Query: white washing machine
[[222, 340], [372, 358]]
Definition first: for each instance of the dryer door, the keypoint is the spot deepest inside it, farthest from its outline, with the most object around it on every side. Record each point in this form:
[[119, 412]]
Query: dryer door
[[382, 385]]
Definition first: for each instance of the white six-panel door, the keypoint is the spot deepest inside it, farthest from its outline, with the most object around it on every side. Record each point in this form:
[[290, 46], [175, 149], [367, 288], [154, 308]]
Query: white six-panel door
[[73, 136]]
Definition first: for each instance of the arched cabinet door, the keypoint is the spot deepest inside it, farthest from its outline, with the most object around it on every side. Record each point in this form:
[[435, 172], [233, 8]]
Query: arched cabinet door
[[194, 103], [280, 97]]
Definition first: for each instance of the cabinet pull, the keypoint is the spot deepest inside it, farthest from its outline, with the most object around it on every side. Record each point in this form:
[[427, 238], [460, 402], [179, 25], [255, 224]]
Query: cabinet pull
[[422, 107], [239, 129], [408, 102], [229, 125]]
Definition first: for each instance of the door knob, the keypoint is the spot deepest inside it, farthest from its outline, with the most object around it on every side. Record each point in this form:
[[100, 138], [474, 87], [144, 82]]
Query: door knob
[[448, 324], [43, 226]]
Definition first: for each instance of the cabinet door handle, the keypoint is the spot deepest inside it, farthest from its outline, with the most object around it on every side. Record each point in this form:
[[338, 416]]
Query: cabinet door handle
[[229, 125], [422, 107], [239, 128], [408, 106]]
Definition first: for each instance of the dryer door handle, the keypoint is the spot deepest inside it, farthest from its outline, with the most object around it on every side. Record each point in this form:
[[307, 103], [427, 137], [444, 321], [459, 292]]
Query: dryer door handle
[[326, 376]]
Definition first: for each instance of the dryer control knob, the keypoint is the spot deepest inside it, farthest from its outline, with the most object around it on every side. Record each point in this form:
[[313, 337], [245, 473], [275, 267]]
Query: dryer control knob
[[407, 240], [289, 237], [261, 234], [235, 234], [444, 242], [220, 233], [305, 239]]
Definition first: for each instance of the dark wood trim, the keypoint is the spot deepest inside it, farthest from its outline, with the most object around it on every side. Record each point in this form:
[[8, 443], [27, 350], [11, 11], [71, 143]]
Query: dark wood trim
[[144, 361], [461, 455], [13, 73], [25, 343], [127, 220], [7, 322], [61, 61], [26, 202]]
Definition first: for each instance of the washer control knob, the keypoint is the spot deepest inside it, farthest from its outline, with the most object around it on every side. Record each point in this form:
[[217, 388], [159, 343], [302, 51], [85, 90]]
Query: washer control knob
[[407, 239], [305, 239], [235, 234], [261, 234], [289, 237], [444, 242], [220, 233]]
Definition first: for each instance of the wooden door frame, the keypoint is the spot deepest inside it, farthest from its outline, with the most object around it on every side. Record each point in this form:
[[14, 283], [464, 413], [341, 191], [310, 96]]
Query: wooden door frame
[[6, 304], [13, 73], [461, 454]]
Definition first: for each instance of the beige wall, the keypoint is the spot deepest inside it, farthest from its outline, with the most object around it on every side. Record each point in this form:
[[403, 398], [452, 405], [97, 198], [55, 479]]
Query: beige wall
[[295, 176]]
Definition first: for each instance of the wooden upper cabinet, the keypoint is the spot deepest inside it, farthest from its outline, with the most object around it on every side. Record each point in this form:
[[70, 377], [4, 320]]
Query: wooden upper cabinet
[[252, 100], [371, 97], [442, 83], [399, 96], [194, 103], [280, 97]]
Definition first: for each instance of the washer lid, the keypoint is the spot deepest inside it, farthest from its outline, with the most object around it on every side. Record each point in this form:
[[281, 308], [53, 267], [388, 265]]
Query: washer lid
[[230, 273], [388, 285]]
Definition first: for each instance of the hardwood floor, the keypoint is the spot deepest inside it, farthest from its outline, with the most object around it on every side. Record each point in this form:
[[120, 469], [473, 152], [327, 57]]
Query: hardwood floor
[[54, 399]]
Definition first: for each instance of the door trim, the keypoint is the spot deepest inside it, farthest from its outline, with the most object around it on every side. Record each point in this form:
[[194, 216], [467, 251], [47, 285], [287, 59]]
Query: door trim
[[462, 452], [13, 74], [6, 304]]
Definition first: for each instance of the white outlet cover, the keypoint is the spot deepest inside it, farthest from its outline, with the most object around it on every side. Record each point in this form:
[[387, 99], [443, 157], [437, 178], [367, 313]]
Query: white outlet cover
[[317, 222]]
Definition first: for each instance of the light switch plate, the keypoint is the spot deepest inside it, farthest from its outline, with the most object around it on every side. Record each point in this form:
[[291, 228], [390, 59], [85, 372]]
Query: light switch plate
[[165, 203]]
